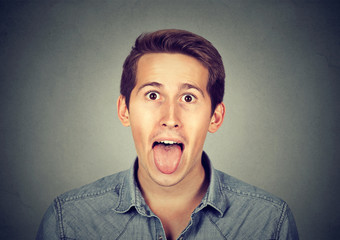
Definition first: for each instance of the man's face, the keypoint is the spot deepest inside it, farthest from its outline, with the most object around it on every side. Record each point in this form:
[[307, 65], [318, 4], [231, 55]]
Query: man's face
[[169, 115]]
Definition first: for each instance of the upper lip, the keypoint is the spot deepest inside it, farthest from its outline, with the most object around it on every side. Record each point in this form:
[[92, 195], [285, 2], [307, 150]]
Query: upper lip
[[168, 140]]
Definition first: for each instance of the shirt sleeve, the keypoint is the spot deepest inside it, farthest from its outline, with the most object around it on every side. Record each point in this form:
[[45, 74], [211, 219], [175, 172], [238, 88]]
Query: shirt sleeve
[[48, 228], [288, 230]]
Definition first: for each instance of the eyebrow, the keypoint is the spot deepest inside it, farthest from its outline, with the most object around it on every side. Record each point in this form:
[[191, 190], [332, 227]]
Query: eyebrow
[[184, 86], [190, 86], [153, 84]]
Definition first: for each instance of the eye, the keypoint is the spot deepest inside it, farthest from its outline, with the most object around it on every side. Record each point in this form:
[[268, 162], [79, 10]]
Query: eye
[[152, 95], [188, 98]]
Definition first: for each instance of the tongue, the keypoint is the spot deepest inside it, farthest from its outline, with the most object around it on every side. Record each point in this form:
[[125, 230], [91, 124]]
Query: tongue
[[167, 157]]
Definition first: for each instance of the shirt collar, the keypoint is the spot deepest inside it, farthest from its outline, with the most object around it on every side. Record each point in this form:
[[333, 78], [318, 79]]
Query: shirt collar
[[215, 196], [130, 195]]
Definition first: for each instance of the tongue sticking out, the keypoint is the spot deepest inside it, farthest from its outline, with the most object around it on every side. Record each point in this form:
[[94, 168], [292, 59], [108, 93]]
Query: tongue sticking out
[[167, 157]]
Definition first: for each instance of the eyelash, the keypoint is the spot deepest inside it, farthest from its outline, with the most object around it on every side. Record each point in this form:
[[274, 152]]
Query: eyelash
[[191, 95], [149, 93], [182, 98]]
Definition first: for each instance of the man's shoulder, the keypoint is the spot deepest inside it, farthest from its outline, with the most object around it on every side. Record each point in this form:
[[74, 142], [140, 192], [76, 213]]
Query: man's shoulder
[[252, 212], [106, 186], [236, 189], [91, 211]]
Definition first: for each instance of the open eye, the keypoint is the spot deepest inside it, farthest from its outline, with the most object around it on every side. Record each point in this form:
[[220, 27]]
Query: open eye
[[152, 95], [188, 98]]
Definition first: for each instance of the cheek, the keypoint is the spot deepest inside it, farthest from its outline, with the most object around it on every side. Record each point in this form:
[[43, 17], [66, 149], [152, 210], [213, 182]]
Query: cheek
[[198, 115], [141, 123], [197, 125]]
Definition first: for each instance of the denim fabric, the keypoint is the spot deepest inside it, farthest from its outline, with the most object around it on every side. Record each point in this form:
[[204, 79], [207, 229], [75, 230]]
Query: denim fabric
[[114, 208]]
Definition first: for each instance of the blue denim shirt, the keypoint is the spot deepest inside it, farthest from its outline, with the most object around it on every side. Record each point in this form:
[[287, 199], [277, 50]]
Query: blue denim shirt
[[114, 208]]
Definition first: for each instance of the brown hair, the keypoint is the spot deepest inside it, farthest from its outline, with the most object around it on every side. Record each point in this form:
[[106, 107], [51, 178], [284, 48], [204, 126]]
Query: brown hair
[[176, 41]]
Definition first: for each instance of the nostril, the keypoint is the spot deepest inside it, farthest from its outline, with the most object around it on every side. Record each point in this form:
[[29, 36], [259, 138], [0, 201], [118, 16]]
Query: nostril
[[170, 125]]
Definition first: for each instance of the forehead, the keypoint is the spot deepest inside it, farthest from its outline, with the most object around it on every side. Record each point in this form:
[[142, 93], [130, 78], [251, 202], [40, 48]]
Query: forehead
[[171, 68]]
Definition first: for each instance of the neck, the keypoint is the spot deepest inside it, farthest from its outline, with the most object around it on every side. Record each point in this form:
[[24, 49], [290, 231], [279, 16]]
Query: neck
[[188, 192]]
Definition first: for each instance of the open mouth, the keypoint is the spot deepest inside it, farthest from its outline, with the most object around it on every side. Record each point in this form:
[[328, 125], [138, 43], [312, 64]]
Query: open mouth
[[168, 144], [167, 155]]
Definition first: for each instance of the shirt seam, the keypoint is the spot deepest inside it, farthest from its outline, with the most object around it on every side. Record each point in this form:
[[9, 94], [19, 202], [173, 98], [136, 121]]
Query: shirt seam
[[130, 219], [282, 218], [253, 195], [214, 223], [60, 219], [87, 195]]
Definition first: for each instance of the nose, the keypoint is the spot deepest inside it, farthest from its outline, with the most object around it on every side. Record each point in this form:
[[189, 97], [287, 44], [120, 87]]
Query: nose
[[170, 116]]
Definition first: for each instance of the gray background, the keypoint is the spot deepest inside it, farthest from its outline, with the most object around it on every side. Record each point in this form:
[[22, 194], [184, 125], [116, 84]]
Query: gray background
[[60, 67]]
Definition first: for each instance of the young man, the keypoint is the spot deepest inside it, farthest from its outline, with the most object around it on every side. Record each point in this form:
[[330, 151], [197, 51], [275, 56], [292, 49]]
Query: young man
[[172, 88]]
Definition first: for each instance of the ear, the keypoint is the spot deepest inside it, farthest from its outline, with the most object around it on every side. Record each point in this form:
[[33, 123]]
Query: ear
[[217, 118], [123, 112]]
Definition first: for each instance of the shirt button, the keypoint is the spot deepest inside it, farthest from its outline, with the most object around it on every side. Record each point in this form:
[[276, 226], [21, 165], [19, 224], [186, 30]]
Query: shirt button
[[181, 238], [160, 238]]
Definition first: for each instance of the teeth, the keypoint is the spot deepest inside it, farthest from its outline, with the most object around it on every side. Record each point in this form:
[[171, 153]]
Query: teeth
[[168, 142]]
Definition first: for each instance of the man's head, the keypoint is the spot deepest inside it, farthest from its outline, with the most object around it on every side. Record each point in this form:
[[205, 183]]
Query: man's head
[[176, 41], [168, 105]]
